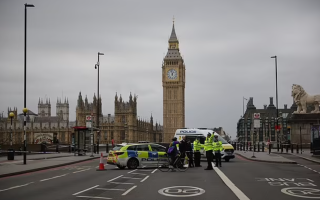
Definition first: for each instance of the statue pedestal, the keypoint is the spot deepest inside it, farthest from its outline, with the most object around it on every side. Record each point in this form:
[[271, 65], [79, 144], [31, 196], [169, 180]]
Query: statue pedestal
[[301, 129]]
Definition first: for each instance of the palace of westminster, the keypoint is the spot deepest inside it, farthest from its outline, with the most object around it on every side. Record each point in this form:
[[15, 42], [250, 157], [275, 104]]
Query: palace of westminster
[[123, 126]]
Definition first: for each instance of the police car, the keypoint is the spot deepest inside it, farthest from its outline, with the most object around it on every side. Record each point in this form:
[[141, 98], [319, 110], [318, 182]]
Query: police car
[[136, 155]]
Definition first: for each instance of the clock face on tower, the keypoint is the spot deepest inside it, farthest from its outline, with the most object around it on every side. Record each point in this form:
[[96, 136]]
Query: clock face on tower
[[172, 74]]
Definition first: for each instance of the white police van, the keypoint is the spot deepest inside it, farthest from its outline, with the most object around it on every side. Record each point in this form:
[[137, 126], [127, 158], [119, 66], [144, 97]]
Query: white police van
[[191, 134]]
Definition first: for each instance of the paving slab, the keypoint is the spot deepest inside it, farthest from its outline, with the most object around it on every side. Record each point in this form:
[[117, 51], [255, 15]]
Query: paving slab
[[264, 157]]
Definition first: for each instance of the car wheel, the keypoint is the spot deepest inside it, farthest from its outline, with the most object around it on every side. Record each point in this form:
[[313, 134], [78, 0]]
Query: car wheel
[[227, 159], [121, 167], [133, 163]]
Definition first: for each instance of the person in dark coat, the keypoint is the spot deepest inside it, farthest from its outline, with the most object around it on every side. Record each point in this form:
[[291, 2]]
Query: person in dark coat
[[190, 153], [183, 148]]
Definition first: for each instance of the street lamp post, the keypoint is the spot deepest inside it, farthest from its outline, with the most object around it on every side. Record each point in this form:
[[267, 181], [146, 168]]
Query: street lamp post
[[25, 110], [97, 66], [11, 115], [125, 133], [276, 68]]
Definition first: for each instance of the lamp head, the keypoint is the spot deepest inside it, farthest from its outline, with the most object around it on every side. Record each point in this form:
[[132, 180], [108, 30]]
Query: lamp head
[[25, 110], [11, 115]]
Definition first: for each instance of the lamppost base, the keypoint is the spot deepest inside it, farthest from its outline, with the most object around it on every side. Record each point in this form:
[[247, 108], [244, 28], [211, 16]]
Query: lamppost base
[[91, 155], [253, 156]]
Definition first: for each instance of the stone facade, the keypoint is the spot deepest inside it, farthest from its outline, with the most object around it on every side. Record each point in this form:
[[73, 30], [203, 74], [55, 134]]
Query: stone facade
[[268, 115], [123, 126], [39, 126], [173, 82], [289, 122]]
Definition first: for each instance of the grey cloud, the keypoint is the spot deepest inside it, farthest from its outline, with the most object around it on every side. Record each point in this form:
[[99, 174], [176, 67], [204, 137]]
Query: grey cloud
[[226, 47]]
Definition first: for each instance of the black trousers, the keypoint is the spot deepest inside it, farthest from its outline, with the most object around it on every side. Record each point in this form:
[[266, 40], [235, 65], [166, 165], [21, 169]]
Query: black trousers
[[217, 156], [197, 158], [190, 156], [209, 156]]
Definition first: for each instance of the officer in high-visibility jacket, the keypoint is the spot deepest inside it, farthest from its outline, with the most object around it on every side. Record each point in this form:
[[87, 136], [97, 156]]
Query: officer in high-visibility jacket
[[196, 150], [217, 147], [208, 147]]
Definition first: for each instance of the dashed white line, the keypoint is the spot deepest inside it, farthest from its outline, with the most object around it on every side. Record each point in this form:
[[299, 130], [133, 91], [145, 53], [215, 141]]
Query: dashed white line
[[16, 187], [144, 179], [129, 190], [114, 178], [94, 197], [132, 171], [131, 177], [315, 170], [227, 181], [53, 177], [85, 190], [81, 170], [121, 183], [139, 174], [110, 189], [154, 171]]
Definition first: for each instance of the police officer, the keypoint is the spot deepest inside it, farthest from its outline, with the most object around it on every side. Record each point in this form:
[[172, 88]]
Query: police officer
[[196, 149], [217, 147], [208, 147]]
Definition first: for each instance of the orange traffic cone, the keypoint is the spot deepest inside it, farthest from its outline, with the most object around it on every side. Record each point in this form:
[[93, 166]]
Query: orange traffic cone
[[101, 165]]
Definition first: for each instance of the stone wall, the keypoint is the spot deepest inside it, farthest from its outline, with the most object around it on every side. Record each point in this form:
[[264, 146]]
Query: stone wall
[[304, 121]]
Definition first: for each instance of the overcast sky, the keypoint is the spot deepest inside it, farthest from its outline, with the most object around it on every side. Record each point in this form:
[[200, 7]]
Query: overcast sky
[[226, 46]]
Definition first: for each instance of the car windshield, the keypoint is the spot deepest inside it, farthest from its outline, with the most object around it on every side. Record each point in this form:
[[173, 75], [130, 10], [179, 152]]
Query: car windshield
[[117, 147], [222, 140]]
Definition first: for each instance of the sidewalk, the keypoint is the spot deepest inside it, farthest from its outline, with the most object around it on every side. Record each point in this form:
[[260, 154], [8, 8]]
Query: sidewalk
[[305, 154], [39, 162], [264, 157], [35, 156]]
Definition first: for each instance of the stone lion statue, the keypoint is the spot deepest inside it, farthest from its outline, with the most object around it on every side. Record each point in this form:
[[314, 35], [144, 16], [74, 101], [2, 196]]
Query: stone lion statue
[[302, 99]]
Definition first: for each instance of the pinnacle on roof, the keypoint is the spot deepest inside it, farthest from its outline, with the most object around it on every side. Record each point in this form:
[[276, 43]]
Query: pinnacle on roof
[[173, 37]]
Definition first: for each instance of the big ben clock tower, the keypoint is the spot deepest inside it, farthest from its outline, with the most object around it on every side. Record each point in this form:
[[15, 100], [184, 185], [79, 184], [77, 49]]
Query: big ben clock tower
[[173, 83]]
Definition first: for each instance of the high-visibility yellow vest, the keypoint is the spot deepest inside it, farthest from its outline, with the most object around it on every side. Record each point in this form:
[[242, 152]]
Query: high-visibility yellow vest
[[208, 144], [196, 145], [217, 146]]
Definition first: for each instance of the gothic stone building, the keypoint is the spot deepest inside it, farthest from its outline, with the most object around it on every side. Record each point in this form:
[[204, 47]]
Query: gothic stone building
[[123, 126], [41, 127]]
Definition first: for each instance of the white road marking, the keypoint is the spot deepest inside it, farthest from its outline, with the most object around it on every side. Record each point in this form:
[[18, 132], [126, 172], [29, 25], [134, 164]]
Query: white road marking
[[121, 183], [81, 170], [129, 190], [109, 189], [145, 170], [232, 187], [53, 177], [114, 178], [305, 166], [140, 174], [154, 171], [315, 170], [94, 197], [144, 179], [85, 190], [16, 187], [131, 177], [132, 171]]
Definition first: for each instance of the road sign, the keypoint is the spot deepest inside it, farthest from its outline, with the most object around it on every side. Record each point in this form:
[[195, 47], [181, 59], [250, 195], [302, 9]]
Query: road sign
[[89, 121], [256, 123], [88, 118], [256, 115]]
